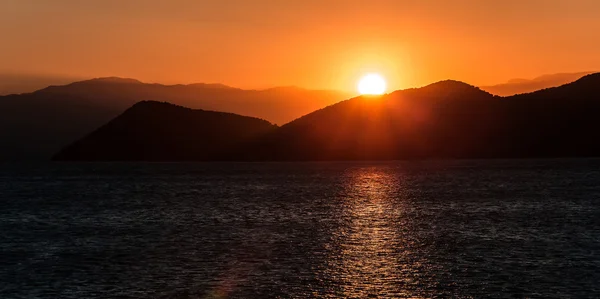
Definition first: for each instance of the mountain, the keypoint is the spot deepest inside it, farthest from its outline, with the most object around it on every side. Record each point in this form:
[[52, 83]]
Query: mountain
[[448, 119], [405, 124], [444, 120], [37, 125], [158, 131], [278, 105], [518, 86]]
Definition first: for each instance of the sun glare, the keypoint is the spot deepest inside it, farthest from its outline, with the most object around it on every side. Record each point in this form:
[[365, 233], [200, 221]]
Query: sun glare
[[372, 84]]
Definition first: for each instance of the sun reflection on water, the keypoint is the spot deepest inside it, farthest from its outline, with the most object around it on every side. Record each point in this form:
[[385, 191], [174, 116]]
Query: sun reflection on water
[[366, 261]]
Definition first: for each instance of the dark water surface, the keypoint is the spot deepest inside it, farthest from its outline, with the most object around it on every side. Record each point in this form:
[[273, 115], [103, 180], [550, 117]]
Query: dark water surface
[[465, 229]]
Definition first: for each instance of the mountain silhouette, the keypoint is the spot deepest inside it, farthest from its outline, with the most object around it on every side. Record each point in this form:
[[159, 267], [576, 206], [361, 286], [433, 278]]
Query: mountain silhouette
[[36, 125], [444, 120], [400, 125], [158, 131], [519, 86], [448, 119], [278, 105]]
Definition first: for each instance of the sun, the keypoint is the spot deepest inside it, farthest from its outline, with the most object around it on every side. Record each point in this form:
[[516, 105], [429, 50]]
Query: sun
[[372, 84]]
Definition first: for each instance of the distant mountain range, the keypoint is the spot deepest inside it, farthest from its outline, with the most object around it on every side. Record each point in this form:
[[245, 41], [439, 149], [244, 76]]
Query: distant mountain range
[[448, 119], [17, 84], [278, 105], [518, 86], [36, 125]]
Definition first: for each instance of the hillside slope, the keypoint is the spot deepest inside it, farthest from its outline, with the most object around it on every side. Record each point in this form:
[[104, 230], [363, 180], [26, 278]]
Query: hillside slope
[[155, 131]]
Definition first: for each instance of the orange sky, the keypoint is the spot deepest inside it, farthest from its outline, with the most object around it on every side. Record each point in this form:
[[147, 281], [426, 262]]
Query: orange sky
[[308, 43]]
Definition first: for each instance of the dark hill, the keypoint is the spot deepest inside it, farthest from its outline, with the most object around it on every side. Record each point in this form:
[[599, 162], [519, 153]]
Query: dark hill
[[154, 131], [37, 125], [444, 120]]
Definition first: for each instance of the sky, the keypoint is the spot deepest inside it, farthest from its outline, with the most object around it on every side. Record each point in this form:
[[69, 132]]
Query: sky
[[320, 44]]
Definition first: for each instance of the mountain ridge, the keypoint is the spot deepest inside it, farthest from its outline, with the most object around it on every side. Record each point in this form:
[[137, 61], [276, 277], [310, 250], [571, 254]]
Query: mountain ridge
[[33, 126], [446, 119]]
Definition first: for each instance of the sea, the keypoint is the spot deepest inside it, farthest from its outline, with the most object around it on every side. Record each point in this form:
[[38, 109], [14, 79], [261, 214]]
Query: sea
[[426, 229]]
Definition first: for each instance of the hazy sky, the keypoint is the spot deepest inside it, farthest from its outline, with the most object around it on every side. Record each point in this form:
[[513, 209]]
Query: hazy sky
[[309, 43]]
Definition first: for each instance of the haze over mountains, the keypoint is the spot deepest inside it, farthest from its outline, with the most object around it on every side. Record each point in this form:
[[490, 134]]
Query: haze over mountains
[[518, 86], [36, 125], [278, 105], [448, 119], [24, 83]]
